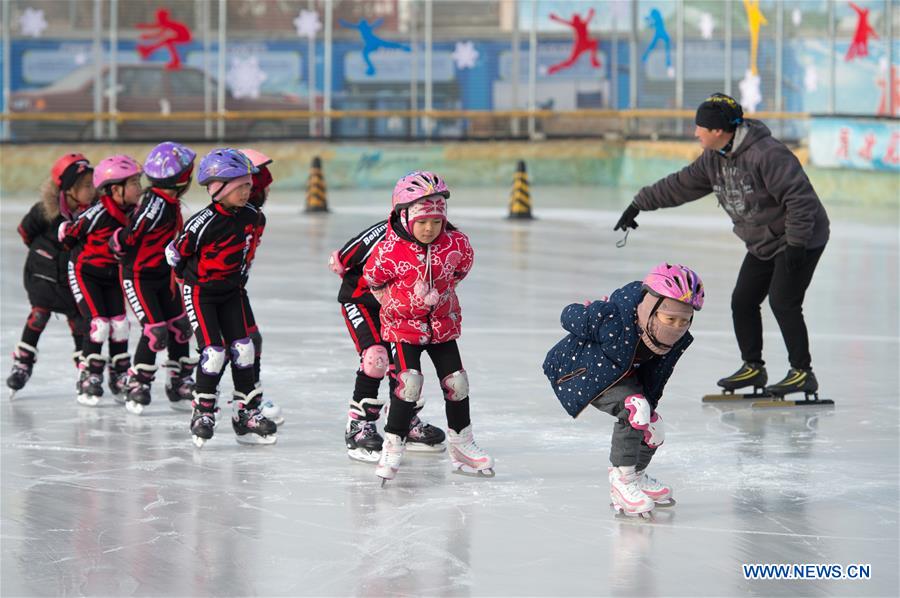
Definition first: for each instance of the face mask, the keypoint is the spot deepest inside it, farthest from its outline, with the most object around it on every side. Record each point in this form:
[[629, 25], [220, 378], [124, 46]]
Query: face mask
[[660, 337]]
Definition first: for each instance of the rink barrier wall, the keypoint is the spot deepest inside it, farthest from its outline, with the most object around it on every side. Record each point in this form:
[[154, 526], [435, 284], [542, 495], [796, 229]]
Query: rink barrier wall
[[628, 165]]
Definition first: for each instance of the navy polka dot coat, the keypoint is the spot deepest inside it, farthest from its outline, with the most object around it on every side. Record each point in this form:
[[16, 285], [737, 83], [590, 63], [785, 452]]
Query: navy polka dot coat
[[599, 350]]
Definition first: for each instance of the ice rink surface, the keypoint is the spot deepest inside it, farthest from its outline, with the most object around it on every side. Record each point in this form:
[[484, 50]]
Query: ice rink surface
[[99, 502]]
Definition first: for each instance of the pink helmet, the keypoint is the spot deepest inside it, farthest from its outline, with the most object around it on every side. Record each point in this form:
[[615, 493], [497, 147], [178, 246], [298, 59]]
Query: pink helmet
[[258, 158], [115, 169], [416, 185], [676, 282]]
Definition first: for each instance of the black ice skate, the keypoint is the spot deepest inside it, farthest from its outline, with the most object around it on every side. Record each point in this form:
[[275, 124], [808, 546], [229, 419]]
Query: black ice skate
[[203, 420], [749, 374], [180, 383], [23, 364], [91, 389], [363, 441], [137, 393], [250, 425], [795, 381], [118, 375], [424, 438]]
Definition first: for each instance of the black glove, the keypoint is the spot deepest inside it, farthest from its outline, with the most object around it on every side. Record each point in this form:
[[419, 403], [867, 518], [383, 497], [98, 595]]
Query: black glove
[[627, 219], [794, 256]]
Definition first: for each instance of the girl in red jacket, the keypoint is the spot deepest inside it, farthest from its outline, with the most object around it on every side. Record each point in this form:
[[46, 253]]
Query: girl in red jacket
[[413, 273]]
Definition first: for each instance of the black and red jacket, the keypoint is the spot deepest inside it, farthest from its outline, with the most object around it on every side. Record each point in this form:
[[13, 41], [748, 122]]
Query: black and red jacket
[[215, 245], [47, 258], [257, 237], [88, 237], [353, 256], [154, 224]]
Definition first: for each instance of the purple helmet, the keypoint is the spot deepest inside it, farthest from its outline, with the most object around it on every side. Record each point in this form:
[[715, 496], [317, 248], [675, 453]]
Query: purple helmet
[[416, 185], [224, 164], [169, 164], [676, 282]]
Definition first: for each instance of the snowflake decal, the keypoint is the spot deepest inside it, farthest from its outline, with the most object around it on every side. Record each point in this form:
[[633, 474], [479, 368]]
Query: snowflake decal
[[465, 55], [810, 78], [307, 23], [750, 93], [706, 25], [32, 22], [245, 77]]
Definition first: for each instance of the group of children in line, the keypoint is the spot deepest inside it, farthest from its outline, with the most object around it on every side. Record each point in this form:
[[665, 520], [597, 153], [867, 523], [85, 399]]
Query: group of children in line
[[397, 298]]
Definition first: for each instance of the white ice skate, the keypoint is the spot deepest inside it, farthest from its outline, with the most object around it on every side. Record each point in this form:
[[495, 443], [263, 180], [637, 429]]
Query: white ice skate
[[468, 458], [658, 492], [625, 493], [271, 411], [391, 455]]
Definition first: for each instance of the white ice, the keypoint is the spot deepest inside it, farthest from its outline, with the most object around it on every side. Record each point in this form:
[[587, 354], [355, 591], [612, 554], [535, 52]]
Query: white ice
[[96, 501]]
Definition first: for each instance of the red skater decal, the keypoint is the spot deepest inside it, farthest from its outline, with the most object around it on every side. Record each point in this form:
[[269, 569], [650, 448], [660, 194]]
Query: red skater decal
[[167, 34], [582, 43], [860, 44]]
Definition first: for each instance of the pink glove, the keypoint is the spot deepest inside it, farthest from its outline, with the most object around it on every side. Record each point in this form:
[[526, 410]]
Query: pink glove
[[61, 231], [334, 262]]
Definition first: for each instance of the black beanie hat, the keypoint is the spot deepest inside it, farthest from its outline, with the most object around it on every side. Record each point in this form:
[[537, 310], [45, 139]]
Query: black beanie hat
[[719, 111], [74, 172]]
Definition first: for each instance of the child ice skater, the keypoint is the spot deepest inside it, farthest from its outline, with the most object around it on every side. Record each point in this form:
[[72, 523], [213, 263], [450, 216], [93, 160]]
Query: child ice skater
[[618, 356], [360, 310], [94, 275], [64, 195], [413, 272]]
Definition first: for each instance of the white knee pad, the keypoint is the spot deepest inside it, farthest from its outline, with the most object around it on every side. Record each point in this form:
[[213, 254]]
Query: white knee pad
[[99, 330], [409, 385], [212, 360], [118, 329], [456, 386], [242, 353], [366, 408], [375, 361], [638, 411], [655, 434]]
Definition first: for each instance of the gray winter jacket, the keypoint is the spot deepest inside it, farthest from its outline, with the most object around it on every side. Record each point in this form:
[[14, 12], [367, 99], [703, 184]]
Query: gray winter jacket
[[761, 185]]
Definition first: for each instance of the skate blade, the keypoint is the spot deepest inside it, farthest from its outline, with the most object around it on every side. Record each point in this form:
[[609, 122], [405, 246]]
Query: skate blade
[[363, 455], [87, 401], [251, 438], [135, 408], [665, 504], [12, 394], [462, 469], [625, 515], [776, 402], [734, 396], [199, 442], [181, 406], [421, 447]]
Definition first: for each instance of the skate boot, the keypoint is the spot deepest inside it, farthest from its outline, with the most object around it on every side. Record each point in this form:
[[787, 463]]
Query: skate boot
[[423, 437], [468, 458], [249, 423], [796, 380], [118, 375], [137, 394], [23, 363], [270, 410], [658, 492], [363, 440], [180, 382], [626, 494], [90, 387], [203, 420], [749, 374], [391, 455]]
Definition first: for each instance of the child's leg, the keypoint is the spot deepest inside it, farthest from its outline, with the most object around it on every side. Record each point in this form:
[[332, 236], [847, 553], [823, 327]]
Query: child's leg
[[454, 383], [239, 343], [252, 332], [119, 359], [407, 387], [202, 309], [374, 360], [88, 290], [144, 298], [626, 439]]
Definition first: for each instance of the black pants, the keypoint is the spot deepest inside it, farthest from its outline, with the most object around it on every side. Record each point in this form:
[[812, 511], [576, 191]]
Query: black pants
[[154, 300], [786, 291], [446, 360], [253, 331], [47, 297], [99, 295], [364, 326], [217, 318], [627, 446], [37, 321]]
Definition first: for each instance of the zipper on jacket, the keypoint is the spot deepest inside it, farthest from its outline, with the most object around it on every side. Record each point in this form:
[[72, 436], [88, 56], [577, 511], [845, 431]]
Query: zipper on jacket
[[619, 379]]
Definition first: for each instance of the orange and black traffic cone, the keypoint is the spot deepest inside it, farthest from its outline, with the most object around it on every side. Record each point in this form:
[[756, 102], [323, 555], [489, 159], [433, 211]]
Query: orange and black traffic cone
[[316, 191], [520, 198]]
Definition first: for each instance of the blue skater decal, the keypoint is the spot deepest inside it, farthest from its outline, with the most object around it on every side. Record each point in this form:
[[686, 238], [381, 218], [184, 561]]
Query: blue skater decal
[[372, 42], [655, 21]]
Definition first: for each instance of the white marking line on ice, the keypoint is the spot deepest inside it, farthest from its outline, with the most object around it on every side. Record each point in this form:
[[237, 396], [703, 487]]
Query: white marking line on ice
[[750, 532]]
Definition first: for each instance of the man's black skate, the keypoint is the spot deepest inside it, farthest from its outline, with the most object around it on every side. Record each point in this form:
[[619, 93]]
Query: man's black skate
[[749, 374], [118, 376], [203, 419], [23, 364], [797, 380], [363, 441], [180, 383], [250, 425], [424, 438]]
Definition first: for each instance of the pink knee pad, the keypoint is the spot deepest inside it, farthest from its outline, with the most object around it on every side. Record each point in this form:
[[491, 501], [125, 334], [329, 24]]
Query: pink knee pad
[[99, 330], [655, 434], [157, 336], [375, 361], [180, 327], [639, 411], [118, 329]]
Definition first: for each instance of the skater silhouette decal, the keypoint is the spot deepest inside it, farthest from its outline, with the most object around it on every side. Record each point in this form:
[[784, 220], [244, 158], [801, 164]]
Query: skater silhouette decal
[[581, 44], [860, 44], [372, 42], [655, 21], [166, 33], [755, 20]]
